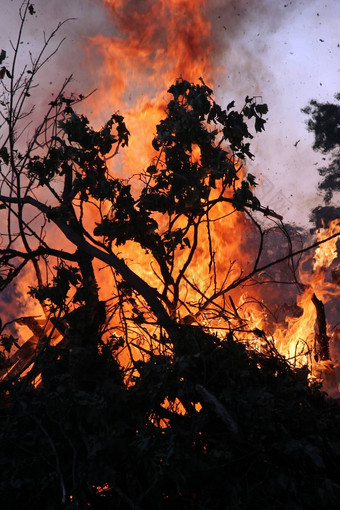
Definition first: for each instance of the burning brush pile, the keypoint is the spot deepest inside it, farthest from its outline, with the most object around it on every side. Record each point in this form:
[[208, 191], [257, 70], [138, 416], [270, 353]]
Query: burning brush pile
[[178, 337]]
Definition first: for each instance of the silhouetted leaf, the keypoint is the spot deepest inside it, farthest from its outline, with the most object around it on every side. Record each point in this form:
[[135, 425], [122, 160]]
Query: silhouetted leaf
[[259, 124], [2, 56], [251, 178], [4, 155], [261, 109]]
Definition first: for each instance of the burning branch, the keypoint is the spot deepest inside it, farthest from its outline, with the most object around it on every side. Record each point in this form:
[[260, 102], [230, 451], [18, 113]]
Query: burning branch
[[321, 337]]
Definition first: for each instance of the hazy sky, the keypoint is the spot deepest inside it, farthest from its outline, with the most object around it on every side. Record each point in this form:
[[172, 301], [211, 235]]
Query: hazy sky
[[285, 51], [294, 58]]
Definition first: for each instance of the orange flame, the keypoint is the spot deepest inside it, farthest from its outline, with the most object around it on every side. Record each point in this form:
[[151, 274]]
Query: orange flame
[[154, 43], [299, 335]]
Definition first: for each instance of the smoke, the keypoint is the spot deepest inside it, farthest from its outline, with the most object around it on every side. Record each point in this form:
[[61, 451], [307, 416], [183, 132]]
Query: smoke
[[286, 52]]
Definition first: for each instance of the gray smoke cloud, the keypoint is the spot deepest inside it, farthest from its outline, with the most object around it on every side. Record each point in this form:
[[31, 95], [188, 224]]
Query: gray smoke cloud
[[286, 52]]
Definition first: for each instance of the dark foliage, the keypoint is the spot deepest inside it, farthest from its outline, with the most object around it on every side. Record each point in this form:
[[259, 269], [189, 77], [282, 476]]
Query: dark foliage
[[263, 438], [323, 215], [324, 123]]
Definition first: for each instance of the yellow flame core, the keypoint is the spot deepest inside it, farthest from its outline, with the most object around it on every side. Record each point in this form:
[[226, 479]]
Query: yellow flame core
[[326, 253], [299, 336]]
